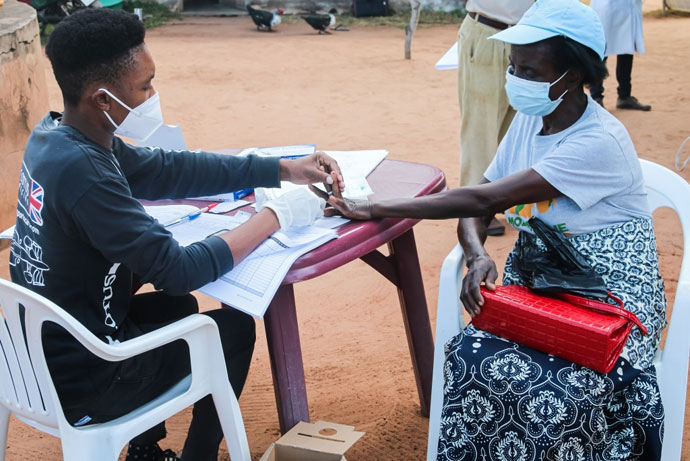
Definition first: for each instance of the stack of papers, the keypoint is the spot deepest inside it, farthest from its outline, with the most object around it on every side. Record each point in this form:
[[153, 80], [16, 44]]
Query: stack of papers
[[251, 285]]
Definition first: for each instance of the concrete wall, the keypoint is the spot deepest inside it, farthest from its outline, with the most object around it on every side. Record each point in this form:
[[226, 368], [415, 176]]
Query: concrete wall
[[23, 97]]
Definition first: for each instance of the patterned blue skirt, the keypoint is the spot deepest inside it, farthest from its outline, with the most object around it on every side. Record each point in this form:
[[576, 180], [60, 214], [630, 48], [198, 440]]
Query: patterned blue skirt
[[507, 402]]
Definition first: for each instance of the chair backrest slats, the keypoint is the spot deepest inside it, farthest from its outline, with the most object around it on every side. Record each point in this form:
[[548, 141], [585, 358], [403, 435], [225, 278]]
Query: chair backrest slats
[[21, 387], [10, 348], [8, 391], [34, 402]]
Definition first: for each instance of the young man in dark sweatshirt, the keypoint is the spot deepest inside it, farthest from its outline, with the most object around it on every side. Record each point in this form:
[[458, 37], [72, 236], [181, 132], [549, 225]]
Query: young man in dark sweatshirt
[[81, 232]]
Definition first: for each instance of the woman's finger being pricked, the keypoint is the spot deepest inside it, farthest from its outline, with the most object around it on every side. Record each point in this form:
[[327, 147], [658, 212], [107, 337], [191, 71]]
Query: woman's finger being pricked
[[337, 186]]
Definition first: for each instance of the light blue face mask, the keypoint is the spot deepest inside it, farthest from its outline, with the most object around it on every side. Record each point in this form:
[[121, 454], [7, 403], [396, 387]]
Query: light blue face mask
[[530, 97]]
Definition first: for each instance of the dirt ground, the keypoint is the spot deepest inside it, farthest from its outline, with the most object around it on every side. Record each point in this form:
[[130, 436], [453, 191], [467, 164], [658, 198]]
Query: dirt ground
[[231, 86]]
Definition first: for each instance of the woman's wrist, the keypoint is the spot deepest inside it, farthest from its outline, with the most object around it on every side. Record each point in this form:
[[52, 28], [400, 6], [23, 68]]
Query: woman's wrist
[[478, 256], [376, 209]]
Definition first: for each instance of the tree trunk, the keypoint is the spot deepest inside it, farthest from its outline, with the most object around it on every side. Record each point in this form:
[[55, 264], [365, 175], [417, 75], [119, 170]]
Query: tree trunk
[[415, 7]]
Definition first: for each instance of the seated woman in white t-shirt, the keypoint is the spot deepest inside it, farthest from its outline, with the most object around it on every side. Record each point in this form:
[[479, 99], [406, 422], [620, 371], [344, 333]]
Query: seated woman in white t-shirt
[[568, 161]]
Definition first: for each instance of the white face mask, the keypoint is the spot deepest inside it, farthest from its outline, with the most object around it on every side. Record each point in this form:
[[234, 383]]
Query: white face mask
[[141, 121], [530, 97]]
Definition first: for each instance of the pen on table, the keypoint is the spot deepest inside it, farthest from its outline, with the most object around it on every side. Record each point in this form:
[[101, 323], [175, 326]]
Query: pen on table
[[192, 216]]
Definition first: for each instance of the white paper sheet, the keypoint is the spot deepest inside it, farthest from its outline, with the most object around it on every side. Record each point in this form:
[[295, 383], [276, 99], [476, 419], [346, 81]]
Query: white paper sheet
[[203, 227], [251, 285], [286, 151], [449, 60], [7, 233], [168, 213], [330, 222], [357, 163]]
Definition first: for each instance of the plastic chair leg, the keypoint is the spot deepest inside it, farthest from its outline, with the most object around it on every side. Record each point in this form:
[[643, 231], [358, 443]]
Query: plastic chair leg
[[232, 424], [89, 448], [4, 425]]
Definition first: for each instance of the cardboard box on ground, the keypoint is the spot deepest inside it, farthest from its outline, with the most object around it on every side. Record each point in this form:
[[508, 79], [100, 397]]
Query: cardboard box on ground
[[320, 441]]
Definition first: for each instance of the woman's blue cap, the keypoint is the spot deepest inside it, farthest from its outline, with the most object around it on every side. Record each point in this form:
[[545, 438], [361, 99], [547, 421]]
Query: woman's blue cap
[[551, 18]]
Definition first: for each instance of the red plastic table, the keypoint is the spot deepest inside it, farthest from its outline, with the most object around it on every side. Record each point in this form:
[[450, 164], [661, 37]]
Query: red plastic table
[[358, 240], [390, 179]]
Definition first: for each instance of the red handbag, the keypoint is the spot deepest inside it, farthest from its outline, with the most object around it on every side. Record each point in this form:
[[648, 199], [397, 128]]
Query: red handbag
[[587, 332]]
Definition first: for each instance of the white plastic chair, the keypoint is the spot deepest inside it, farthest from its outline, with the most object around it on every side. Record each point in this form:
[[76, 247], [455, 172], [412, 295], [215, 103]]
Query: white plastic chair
[[665, 189], [27, 391]]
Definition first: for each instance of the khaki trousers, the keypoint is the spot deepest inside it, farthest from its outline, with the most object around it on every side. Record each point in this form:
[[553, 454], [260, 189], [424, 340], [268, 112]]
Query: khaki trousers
[[484, 108]]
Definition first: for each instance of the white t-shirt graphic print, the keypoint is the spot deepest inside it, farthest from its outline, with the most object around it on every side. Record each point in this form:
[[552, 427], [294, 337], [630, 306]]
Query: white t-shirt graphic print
[[593, 163]]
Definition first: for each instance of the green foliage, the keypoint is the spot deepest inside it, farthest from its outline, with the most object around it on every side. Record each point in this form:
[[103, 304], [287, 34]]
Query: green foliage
[[46, 34], [155, 14]]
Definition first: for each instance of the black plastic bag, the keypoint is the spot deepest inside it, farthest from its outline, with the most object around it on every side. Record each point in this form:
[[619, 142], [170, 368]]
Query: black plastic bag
[[560, 269]]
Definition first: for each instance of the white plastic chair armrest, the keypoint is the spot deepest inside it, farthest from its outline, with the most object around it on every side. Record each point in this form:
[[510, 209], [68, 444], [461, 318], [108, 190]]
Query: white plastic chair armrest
[[181, 329]]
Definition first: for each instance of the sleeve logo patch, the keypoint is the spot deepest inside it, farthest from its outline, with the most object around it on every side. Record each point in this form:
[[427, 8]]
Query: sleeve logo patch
[[31, 196]]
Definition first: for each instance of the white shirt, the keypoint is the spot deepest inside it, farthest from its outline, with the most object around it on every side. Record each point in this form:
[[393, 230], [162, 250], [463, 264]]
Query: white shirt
[[622, 22], [593, 163], [506, 11]]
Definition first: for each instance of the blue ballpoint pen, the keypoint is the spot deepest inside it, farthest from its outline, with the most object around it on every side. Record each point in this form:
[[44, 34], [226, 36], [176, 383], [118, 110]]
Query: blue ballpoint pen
[[191, 216]]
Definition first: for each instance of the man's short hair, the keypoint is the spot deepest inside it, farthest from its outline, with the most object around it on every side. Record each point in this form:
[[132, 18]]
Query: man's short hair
[[93, 45]]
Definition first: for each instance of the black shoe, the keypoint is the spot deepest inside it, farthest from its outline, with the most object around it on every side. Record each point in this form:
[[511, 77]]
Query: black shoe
[[495, 228], [150, 453], [632, 103]]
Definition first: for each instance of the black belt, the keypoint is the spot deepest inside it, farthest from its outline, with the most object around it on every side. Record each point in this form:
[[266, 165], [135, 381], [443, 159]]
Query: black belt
[[488, 21]]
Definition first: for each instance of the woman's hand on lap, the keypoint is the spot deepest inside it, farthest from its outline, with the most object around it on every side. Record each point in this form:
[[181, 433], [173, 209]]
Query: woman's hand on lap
[[482, 269]]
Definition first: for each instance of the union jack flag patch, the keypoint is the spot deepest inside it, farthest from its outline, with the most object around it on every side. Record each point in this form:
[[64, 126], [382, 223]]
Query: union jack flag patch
[[36, 203], [31, 196]]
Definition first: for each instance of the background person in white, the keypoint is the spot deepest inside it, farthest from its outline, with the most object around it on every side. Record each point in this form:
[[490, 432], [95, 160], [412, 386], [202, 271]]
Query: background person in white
[[484, 108], [622, 21]]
